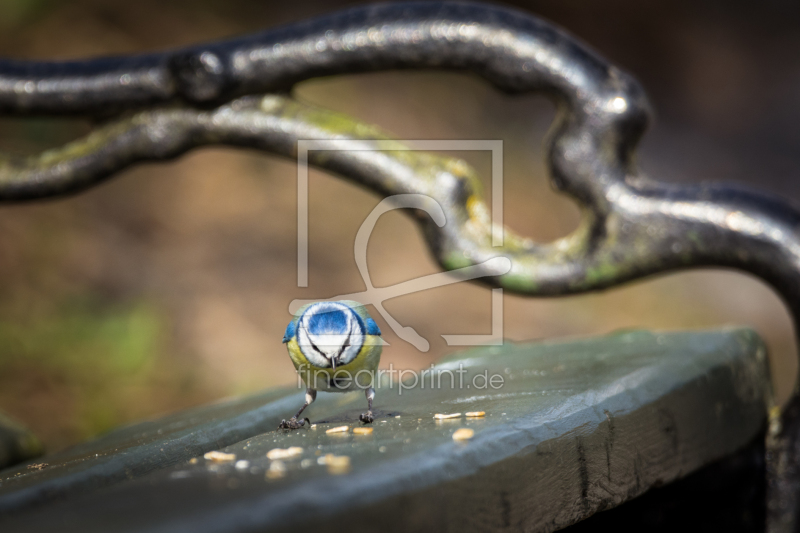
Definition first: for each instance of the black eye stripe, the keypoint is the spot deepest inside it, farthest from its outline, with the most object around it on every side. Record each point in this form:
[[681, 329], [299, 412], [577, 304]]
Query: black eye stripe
[[354, 329], [314, 346]]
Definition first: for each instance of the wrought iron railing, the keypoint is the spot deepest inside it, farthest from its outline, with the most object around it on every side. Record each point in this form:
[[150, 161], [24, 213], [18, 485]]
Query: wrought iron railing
[[237, 93]]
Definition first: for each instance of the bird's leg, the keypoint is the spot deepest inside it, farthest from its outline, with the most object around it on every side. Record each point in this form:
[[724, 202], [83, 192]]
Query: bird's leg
[[294, 423], [367, 417]]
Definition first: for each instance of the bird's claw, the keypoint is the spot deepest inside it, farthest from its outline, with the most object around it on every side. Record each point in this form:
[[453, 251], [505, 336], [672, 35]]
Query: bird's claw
[[293, 423], [367, 417]]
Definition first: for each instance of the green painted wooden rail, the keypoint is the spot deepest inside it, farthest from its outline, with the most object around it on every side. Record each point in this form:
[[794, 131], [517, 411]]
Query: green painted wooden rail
[[577, 427]]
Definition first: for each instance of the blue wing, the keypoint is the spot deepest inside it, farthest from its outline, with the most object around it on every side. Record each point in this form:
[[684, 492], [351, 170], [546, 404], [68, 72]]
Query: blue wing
[[290, 331], [372, 327]]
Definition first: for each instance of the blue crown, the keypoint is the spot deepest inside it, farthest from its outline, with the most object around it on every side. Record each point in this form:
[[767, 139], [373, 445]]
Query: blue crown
[[328, 318]]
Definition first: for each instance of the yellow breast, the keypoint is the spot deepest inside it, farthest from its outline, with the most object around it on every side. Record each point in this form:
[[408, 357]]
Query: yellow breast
[[358, 374]]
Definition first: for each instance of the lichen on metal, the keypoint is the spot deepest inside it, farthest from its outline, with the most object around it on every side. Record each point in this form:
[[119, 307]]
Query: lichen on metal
[[236, 93]]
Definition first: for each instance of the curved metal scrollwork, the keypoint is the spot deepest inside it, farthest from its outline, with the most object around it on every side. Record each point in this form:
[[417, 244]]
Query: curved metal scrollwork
[[236, 93]]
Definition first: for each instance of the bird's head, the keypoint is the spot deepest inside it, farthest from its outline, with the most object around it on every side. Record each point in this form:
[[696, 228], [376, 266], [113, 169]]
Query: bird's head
[[330, 334]]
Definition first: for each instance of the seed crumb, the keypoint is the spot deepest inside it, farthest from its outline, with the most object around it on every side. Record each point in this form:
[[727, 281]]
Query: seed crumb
[[362, 431], [220, 457], [463, 434], [440, 416], [476, 414], [277, 469], [339, 429], [337, 464], [287, 453]]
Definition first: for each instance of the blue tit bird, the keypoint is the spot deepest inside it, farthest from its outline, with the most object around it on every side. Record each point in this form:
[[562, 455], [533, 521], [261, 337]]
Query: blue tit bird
[[335, 347]]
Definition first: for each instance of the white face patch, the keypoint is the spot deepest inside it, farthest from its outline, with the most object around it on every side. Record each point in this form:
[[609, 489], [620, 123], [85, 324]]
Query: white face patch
[[330, 334]]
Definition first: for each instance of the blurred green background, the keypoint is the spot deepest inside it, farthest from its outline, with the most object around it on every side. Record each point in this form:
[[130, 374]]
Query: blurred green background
[[168, 286]]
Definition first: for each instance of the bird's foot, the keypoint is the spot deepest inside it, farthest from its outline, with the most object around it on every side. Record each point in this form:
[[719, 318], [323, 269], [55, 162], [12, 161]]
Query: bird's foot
[[367, 417], [293, 423]]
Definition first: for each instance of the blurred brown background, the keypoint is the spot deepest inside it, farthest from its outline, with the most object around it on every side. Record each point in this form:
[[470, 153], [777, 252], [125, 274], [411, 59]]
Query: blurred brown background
[[169, 285]]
